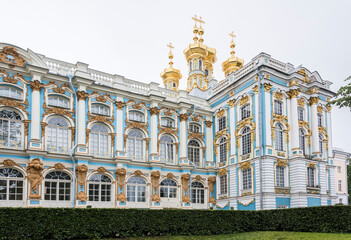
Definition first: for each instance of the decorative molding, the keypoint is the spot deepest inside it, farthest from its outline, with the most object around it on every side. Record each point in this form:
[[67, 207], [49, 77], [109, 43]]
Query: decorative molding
[[26, 126], [320, 109], [255, 88], [301, 102], [121, 175], [99, 118], [208, 124], [231, 103], [185, 178], [183, 117], [120, 105], [220, 113], [293, 93], [245, 165], [16, 60], [43, 127], [36, 85], [313, 100], [155, 177], [278, 95], [35, 177], [282, 162], [211, 183], [82, 196], [12, 79], [81, 171], [243, 100], [154, 111], [10, 163], [58, 111], [82, 95], [267, 87], [311, 164], [222, 171], [170, 175], [15, 104]]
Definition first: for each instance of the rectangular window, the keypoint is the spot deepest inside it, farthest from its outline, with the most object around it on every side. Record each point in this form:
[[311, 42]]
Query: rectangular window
[[247, 180], [99, 109], [223, 184], [245, 111], [167, 122], [300, 112], [278, 107], [135, 116], [280, 178], [320, 120], [339, 186], [222, 123], [310, 177], [339, 169], [194, 128]]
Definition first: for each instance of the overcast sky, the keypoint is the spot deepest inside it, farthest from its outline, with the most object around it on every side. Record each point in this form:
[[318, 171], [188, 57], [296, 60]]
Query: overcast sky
[[129, 38]]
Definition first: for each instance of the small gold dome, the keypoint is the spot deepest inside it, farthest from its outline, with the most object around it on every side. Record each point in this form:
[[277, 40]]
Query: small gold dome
[[170, 75], [233, 63]]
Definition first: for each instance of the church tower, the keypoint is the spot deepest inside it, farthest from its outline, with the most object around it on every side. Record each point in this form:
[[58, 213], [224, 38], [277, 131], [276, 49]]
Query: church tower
[[200, 59], [232, 64], [170, 75]]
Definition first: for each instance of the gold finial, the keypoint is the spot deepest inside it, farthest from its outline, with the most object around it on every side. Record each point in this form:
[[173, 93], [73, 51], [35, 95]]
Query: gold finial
[[196, 30], [170, 54], [201, 30], [232, 44]]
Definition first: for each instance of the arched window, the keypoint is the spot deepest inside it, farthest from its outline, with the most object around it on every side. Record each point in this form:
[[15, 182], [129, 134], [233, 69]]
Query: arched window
[[11, 184], [245, 111], [223, 150], [280, 176], [135, 144], [166, 149], [168, 188], [222, 123], [167, 122], [279, 137], [100, 109], [197, 193], [302, 140], [200, 64], [246, 141], [57, 135], [310, 177], [136, 116], [10, 129], [57, 186], [320, 143], [206, 73], [136, 190], [58, 101], [194, 151], [247, 179], [11, 92], [193, 127], [99, 140], [100, 188]]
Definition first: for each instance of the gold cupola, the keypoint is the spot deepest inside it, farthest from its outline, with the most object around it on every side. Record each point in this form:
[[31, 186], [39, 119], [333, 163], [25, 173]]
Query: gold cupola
[[170, 75], [233, 63], [200, 59]]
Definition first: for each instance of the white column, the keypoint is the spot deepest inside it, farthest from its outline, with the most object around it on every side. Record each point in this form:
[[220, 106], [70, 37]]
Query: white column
[[209, 141], [232, 130], [294, 138], [183, 142], [314, 122], [268, 108], [119, 121], [330, 134], [153, 135], [35, 124], [81, 96]]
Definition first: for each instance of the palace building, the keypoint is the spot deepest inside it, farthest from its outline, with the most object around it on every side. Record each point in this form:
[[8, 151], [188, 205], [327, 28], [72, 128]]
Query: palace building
[[72, 136]]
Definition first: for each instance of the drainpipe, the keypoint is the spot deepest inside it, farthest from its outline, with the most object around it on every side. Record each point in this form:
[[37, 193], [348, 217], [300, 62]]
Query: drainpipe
[[75, 146], [260, 135], [194, 165]]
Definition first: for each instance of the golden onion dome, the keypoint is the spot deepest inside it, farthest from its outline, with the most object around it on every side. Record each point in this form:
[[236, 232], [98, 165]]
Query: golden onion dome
[[170, 75], [233, 63]]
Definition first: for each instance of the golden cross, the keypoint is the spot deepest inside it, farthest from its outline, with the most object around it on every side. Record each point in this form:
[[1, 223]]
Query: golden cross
[[195, 19], [232, 35], [201, 21], [170, 46]]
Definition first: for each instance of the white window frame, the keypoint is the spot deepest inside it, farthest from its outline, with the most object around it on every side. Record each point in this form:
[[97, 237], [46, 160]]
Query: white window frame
[[223, 150], [62, 141], [246, 141], [140, 191], [301, 114], [278, 107], [280, 176], [302, 141], [339, 186], [311, 180], [194, 151], [167, 149], [13, 132], [99, 141], [223, 184], [245, 111], [222, 123], [11, 92], [107, 185], [136, 116], [167, 122], [11, 179], [320, 120], [193, 127], [246, 175], [100, 109], [171, 191], [138, 145], [60, 184], [279, 137], [60, 101], [197, 193]]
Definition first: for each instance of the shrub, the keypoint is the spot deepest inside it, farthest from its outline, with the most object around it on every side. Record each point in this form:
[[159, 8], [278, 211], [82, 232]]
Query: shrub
[[68, 223]]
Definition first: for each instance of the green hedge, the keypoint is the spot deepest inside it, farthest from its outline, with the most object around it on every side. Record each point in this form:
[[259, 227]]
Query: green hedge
[[66, 223]]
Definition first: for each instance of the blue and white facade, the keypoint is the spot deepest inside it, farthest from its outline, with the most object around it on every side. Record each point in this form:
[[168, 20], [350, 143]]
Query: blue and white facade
[[74, 136]]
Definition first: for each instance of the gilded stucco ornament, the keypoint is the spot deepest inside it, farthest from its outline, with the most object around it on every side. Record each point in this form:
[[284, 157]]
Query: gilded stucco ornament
[[154, 111], [183, 117], [12, 103], [282, 119], [185, 178], [26, 126], [282, 162], [81, 171], [196, 135], [293, 93], [243, 100], [14, 60], [155, 177], [121, 175], [320, 109], [43, 126], [255, 89], [245, 165], [278, 95], [58, 111], [82, 196], [138, 173], [170, 175], [301, 102], [313, 100], [208, 124], [222, 171], [120, 105], [99, 118], [82, 95], [36, 85], [10, 163], [267, 87], [211, 183], [311, 164], [231, 103], [14, 79], [35, 177]]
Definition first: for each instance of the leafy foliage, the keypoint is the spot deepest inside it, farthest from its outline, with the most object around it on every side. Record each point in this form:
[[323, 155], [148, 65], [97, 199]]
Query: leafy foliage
[[69, 223], [343, 96]]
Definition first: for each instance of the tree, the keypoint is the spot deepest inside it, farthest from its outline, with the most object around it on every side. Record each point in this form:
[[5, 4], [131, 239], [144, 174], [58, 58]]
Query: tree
[[343, 96]]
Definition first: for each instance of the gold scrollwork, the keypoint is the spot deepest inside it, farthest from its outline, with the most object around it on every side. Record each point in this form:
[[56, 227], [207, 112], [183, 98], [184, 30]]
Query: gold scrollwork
[[267, 87], [185, 178], [301, 102], [35, 177], [211, 183], [243, 100], [16, 59], [231, 103], [282, 162], [313, 100], [245, 165], [222, 171], [278, 95], [155, 177]]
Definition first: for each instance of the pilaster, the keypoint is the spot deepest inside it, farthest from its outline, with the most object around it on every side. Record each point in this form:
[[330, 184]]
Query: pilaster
[[82, 144], [154, 156], [314, 125], [209, 144], [294, 140], [183, 138], [298, 197], [119, 123]]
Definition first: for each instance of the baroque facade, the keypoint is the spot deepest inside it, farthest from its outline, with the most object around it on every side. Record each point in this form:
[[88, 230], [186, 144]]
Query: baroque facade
[[75, 136]]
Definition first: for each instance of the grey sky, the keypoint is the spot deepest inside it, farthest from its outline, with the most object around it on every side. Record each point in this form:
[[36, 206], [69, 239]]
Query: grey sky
[[129, 37]]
